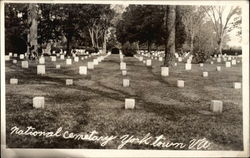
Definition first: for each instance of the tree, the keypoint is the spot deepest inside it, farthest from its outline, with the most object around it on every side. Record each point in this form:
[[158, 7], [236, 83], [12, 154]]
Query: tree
[[169, 21], [192, 17], [221, 20], [32, 35]]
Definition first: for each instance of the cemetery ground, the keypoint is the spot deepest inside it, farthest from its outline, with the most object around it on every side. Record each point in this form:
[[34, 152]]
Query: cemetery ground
[[96, 102]]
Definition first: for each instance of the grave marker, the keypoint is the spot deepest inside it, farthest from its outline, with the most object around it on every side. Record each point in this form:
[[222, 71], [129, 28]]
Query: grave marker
[[205, 74], [148, 62], [58, 66], [95, 61], [228, 64], [201, 64], [218, 60], [76, 59], [164, 71], [218, 68], [237, 85], [125, 82], [53, 58], [179, 59], [69, 81], [21, 56], [234, 62], [62, 57], [188, 66], [38, 102], [13, 81], [7, 57], [68, 61], [83, 70], [90, 65], [122, 66], [216, 106], [14, 61], [25, 64], [40, 69], [124, 72], [41, 60], [180, 83], [129, 103]]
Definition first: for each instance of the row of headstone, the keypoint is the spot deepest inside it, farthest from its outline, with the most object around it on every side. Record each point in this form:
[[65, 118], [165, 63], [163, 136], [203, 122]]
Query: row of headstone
[[129, 102]]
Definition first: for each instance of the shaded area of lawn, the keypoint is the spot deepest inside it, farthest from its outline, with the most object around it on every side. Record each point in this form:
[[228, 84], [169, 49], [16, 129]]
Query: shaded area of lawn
[[96, 102]]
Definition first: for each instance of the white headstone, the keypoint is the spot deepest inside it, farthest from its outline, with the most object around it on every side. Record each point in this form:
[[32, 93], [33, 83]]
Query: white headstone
[[164, 71], [95, 61], [10, 54], [160, 59], [38, 102], [140, 58], [122, 66], [234, 62], [53, 58], [76, 59], [175, 64], [69, 81], [25, 64], [228, 64], [205, 74], [188, 66], [218, 60], [179, 59], [40, 69], [229, 58], [58, 66], [148, 62], [15, 55], [83, 70], [13, 81], [218, 68], [216, 106], [125, 82], [237, 85], [68, 61], [180, 83], [90, 65], [14, 61], [7, 57], [211, 62], [189, 61], [124, 72], [129, 103], [21, 56], [62, 57], [41, 60], [201, 64]]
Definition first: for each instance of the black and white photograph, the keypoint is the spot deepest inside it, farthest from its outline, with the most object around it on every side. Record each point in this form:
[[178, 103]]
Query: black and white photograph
[[128, 78]]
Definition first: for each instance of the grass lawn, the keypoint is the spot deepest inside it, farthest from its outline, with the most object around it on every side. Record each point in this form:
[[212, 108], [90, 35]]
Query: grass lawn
[[96, 102]]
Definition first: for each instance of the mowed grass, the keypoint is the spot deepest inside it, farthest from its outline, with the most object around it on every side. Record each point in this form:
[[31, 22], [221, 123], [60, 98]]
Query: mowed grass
[[96, 102]]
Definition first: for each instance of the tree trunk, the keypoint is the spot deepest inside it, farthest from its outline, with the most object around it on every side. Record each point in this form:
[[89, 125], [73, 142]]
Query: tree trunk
[[32, 35], [192, 44], [91, 33], [170, 16], [104, 42], [69, 45], [149, 46], [220, 45]]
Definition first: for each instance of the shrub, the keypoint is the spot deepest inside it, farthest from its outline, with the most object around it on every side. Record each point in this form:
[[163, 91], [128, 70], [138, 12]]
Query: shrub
[[200, 56], [129, 49]]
